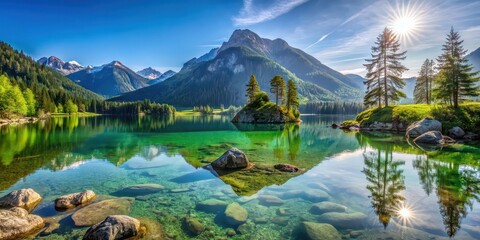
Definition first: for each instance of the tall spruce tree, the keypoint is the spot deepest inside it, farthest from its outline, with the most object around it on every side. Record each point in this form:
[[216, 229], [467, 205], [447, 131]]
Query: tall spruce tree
[[252, 89], [423, 87], [292, 96], [277, 87], [458, 77], [385, 70]]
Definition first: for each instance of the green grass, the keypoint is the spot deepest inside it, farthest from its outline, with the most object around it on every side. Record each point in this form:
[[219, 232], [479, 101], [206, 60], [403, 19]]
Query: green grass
[[466, 116]]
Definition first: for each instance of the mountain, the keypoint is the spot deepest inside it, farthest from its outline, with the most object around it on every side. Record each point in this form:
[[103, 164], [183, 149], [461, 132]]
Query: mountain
[[409, 86], [356, 80], [149, 73], [474, 59], [219, 77], [110, 79], [48, 85], [166, 75], [57, 64]]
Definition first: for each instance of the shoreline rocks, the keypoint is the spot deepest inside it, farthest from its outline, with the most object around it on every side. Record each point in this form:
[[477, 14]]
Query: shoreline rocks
[[25, 198], [18, 121], [75, 199], [433, 137], [114, 227], [425, 125], [16, 223]]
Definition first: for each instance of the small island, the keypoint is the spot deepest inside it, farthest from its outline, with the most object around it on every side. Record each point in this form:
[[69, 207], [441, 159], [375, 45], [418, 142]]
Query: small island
[[259, 109]]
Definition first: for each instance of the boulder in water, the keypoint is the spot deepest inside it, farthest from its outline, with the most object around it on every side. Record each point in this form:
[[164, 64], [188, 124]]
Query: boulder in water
[[320, 231], [324, 207], [95, 213], [236, 214], [114, 227], [139, 190], [285, 167], [231, 159], [431, 137], [74, 199], [25, 198], [354, 220], [16, 223]]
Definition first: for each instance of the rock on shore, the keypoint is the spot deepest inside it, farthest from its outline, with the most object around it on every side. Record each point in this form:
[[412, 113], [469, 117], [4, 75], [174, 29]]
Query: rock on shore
[[17, 222], [25, 198], [114, 227], [425, 125]]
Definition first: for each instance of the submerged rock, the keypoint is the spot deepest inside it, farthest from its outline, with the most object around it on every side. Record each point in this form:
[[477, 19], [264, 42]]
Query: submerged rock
[[320, 231], [324, 207], [285, 167], [16, 223], [231, 159], [193, 225], [310, 195], [353, 220], [74, 199], [425, 125], [94, 213], [114, 227], [139, 190], [270, 200], [154, 230], [236, 214], [212, 205], [25, 198], [456, 132]]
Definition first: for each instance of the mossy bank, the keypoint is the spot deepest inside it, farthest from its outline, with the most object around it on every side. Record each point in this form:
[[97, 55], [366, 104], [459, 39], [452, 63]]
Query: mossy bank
[[398, 118]]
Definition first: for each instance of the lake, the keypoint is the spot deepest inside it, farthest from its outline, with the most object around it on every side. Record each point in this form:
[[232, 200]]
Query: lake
[[373, 185]]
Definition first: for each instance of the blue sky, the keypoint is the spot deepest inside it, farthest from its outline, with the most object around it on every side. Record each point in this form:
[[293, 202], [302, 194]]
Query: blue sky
[[165, 34]]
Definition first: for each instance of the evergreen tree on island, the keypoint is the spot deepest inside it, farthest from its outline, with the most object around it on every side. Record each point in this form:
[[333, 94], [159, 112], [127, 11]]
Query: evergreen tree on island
[[384, 70], [292, 96], [423, 87], [252, 89], [456, 79], [277, 87]]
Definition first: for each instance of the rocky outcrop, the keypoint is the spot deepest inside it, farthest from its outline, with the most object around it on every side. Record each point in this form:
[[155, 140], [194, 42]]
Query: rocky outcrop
[[285, 167], [114, 227], [231, 159], [16, 223], [456, 132], [236, 214], [74, 199], [320, 231], [433, 137], [25, 198], [94, 213], [425, 125]]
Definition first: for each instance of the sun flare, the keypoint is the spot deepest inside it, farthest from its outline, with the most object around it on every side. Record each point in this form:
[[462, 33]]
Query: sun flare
[[407, 21], [404, 25]]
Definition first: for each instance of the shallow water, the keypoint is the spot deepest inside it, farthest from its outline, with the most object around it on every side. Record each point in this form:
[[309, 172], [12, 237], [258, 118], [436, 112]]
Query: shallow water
[[399, 190]]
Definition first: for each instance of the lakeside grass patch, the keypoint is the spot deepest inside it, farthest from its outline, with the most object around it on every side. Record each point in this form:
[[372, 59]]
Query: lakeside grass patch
[[467, 116]]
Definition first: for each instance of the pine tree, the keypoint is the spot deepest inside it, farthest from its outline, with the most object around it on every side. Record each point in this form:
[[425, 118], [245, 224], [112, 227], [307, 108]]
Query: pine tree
[[423, 87], [458, 78], [292, 96], [277, 87], [252, 89], [385, 70]]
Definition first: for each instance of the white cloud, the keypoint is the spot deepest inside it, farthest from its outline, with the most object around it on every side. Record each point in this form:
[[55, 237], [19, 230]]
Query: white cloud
[[249, 14]]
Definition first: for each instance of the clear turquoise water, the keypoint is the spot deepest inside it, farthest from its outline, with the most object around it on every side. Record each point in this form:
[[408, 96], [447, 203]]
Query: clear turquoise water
[[403, 191]]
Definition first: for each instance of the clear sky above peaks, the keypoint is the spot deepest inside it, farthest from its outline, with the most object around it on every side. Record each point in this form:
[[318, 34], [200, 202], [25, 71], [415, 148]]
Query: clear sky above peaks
[[165, 34]]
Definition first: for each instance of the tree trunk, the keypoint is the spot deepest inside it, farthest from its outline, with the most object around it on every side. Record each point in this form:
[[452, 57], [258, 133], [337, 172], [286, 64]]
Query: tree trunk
[[385, 73]]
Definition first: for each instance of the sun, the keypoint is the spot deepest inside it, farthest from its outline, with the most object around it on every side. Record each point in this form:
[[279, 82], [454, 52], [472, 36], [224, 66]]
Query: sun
[[404, 25], [407, 20]]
